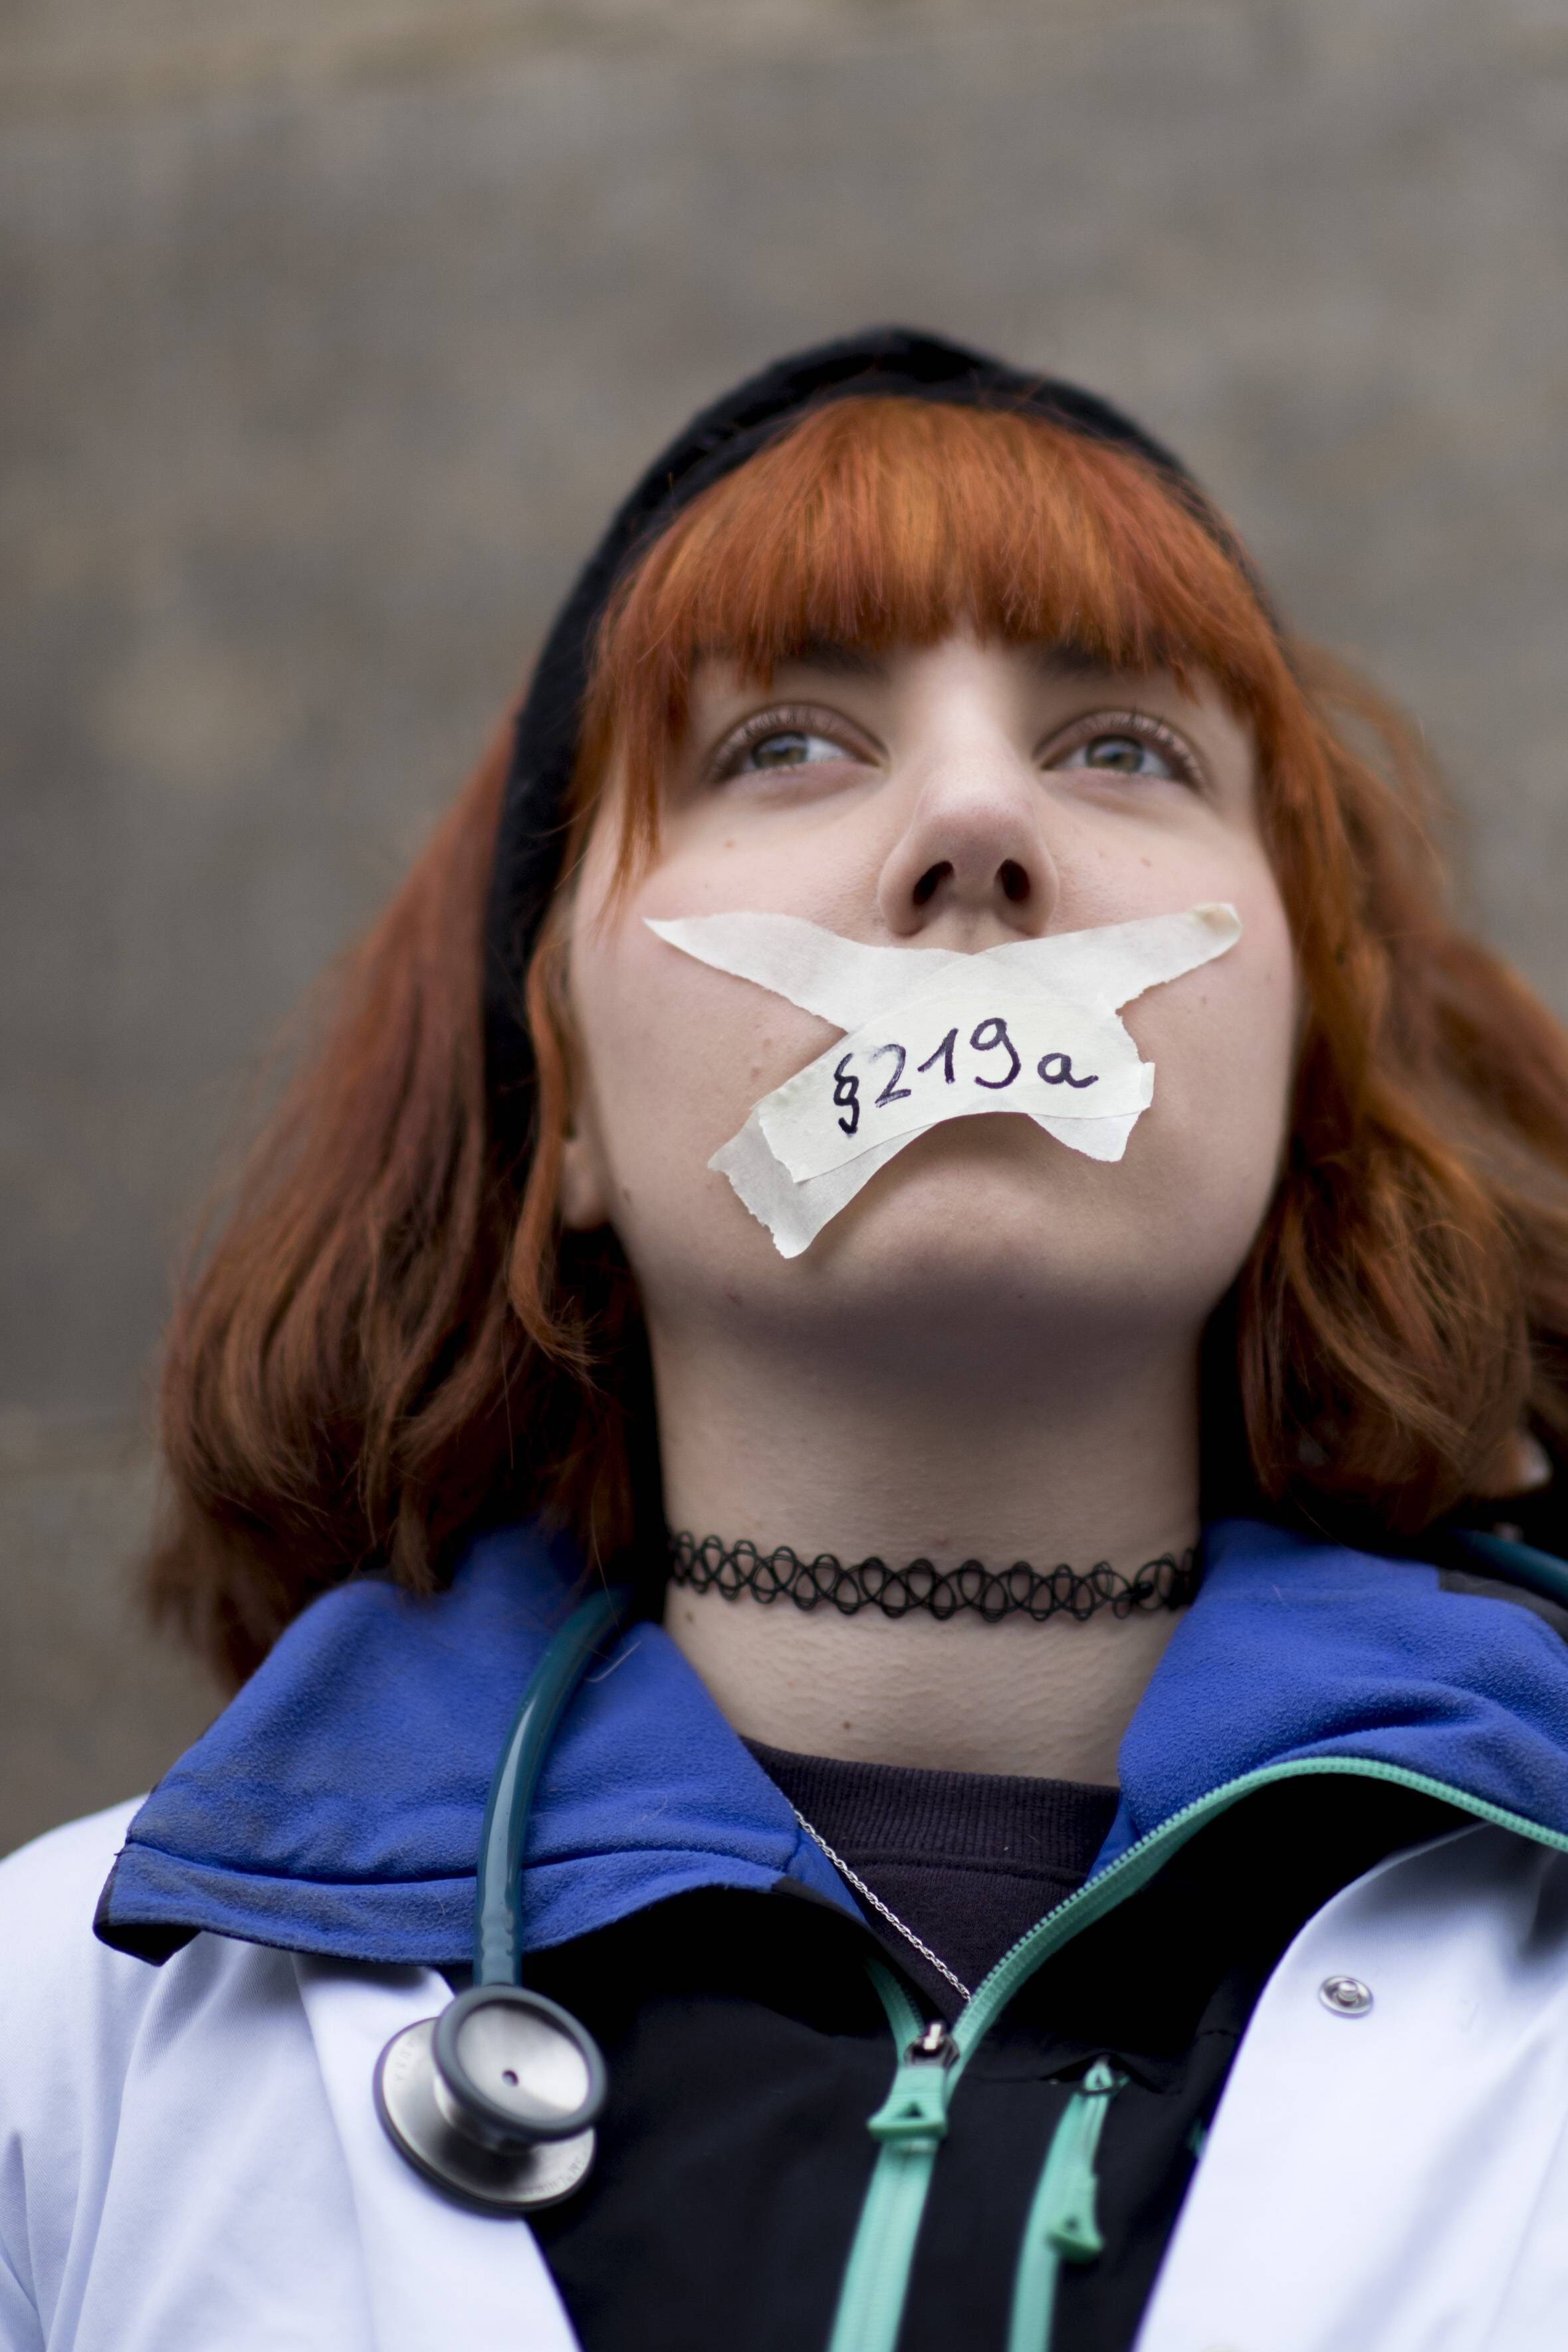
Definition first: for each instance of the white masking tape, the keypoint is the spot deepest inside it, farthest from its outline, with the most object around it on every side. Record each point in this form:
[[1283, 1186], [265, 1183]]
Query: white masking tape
[[933, 1035]]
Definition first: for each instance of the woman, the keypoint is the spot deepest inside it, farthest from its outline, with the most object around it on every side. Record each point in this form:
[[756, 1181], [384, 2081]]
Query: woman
[[1223, 1939]]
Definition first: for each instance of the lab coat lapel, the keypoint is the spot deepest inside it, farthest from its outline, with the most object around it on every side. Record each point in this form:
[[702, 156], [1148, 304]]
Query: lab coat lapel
[[435, 2275]]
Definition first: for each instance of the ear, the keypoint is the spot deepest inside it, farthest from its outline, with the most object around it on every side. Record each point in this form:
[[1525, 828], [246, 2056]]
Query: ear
[[582, 1199]]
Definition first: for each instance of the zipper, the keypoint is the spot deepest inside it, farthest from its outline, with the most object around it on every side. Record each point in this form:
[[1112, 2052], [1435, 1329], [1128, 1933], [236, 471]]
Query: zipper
[[876, 2281], [1062, 2226], [908, 2129]]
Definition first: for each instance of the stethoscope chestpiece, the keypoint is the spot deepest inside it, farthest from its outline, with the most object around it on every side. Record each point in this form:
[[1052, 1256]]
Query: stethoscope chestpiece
[[495, 2100]]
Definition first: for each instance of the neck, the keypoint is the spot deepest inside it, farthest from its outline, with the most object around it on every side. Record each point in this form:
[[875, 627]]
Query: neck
[[1076, 1462]]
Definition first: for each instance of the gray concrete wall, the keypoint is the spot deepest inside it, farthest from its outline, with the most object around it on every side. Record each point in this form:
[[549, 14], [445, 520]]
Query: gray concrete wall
[[332, 329]]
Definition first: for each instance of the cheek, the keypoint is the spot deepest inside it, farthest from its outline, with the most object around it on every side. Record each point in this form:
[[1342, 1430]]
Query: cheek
[[674, 1055], [1223, 1045]]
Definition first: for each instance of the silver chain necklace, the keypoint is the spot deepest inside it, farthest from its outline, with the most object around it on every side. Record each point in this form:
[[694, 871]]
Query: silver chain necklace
[[883, 1909]]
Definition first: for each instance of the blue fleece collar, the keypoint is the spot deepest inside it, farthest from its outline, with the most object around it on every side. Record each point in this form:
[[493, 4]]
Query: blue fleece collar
[[335, 1807], [1296, 1649]]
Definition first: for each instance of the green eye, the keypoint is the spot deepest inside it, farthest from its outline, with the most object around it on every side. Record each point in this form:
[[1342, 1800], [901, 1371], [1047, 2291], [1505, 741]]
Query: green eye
[[1124, 755], [791, 746], [1126, 743]]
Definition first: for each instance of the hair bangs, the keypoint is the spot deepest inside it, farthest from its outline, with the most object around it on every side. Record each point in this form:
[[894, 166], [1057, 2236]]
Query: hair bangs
[[879, 523]]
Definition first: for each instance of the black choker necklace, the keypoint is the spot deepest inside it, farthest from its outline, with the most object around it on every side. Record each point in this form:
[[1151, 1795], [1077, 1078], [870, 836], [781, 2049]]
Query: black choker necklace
[[1168, 1583]]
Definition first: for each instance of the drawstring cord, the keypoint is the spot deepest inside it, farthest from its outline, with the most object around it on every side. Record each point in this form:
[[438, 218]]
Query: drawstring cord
[[1061, 2227]]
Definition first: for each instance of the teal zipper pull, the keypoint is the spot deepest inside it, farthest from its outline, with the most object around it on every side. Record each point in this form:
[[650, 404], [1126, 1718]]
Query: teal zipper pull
[[913, 2115], [908, 2127], [1072, 2228], [1062, 2226]]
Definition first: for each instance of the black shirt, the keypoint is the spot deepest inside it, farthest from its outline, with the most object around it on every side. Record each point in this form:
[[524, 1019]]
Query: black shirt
[[969, 1861], [747, 2049]]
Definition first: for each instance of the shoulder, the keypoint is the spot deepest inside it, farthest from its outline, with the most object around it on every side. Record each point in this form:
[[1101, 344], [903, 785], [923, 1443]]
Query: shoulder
[[71, 2011], [107, 2064], [66, 1857], [68, 2012], [78, 2019], [48, 1895]]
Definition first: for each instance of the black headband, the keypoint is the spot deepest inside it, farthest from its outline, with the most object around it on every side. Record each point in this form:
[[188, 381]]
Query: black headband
[[886, 360]]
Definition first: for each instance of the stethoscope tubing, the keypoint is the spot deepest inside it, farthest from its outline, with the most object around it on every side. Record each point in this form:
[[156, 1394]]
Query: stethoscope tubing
[[469, 2120], [498, 1904]]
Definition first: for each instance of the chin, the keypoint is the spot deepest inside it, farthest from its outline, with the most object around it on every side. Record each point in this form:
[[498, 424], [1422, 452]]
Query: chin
[[981, 1226], [985, 1239], [991, 1236]]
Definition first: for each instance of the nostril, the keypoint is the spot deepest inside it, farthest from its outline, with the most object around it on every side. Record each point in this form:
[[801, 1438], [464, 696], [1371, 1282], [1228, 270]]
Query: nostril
[[925, 888], [1014, 881]]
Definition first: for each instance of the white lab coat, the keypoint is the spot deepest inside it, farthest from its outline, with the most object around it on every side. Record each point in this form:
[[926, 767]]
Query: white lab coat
[[191, 2161]]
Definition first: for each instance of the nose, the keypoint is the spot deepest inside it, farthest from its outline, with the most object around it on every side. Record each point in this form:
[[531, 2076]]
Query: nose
[[974, 850]]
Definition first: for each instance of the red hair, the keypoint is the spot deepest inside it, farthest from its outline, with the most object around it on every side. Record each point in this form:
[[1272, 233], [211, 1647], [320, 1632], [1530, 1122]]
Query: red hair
[[389, 1343]]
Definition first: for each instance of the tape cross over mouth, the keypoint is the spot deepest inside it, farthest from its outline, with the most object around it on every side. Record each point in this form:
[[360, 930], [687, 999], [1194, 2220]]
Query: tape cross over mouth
[[933, 1034]]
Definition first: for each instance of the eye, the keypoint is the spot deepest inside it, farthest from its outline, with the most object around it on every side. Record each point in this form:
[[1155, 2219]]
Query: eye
[[787, 746], [1124, 753], [1124, 743], [782, 741]]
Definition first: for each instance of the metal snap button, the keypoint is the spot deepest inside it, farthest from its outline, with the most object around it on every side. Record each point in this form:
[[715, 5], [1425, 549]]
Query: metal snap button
[[1347, 1996]]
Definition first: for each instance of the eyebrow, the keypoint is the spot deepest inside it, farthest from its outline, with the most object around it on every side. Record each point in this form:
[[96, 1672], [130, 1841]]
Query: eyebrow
[[1063, 660], [1066, 659], [836, 660]]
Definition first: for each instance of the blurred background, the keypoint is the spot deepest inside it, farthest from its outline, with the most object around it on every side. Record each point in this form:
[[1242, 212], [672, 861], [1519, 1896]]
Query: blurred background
[[333, 329]]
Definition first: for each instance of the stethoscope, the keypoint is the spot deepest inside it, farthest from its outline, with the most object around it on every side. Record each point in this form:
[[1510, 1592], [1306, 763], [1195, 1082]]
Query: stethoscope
[[494, 2101]]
